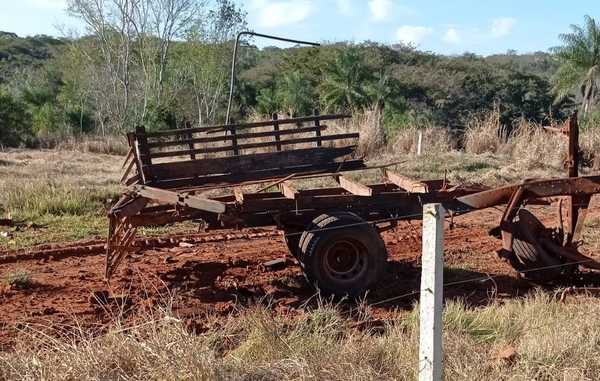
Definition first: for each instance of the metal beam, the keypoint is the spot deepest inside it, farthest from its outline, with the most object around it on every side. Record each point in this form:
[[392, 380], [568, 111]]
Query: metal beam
[[182, 199]]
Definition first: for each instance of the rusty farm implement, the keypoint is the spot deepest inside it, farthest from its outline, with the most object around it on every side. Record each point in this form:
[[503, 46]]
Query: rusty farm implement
[[206, 173]]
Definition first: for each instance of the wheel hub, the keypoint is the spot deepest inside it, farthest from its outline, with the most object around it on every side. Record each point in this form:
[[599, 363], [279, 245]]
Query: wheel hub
[[345, 260]]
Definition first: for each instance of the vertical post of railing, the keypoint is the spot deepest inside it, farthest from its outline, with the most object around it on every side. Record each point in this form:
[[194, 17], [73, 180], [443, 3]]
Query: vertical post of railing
[[318, 129], [430, 317], [143, 154], [189, 136], [234, 143], [276, 129]]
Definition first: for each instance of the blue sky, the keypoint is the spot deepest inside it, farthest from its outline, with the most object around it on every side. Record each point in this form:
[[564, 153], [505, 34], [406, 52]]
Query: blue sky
[[442, 26]]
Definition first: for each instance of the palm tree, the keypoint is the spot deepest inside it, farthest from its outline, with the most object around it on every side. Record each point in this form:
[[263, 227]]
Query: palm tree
[[295, 93], [344, 85], [580, 63]]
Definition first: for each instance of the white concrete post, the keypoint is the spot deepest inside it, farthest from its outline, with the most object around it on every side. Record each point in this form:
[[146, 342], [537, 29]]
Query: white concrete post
[[430, 336], [419, 141]]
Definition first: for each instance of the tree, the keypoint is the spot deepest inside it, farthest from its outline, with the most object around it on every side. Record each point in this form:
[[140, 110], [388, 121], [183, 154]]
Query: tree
[[266, 101], [385, 90], [134, 39], [199, 65], [14, 121], [295, 94], [580, 63], [344, 85]]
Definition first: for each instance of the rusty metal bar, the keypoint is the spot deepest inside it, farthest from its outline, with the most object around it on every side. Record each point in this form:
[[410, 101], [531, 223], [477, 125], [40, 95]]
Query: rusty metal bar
[[234, 60], [585, 185]]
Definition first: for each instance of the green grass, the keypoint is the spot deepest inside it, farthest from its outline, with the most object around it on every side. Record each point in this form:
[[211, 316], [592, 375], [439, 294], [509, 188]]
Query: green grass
[[34, 199], [48, 228], [44, 212]]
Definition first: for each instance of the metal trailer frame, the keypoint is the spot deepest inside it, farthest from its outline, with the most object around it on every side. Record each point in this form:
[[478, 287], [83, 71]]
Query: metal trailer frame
[[175, 190]]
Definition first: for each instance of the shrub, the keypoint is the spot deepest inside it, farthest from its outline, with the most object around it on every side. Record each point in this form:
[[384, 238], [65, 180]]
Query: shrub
[[20, 279]]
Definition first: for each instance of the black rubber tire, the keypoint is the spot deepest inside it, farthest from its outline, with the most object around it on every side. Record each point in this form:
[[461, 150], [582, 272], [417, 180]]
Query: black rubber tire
[[292, 240], [314, 225], [529, 253], [342, 261]]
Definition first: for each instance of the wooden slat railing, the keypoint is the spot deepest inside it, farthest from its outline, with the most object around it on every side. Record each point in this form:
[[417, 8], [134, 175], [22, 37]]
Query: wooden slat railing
[[256, 145], [249, 135], [230, 127]]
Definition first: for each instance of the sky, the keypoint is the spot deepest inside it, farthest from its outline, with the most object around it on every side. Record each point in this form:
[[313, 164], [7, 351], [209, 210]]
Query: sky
[[442, 26]]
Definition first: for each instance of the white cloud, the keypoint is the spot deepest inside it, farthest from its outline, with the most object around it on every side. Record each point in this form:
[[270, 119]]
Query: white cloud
[[274, 14], [409, 34], [344, 6], [452, 36], [502, 26], [48, 4], [380, 9]]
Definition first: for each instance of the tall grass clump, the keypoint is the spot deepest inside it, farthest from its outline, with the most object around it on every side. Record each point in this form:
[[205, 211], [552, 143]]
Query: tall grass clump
[[589, 141], [485, 133], [532, 147], [372, 133], [434, 140]]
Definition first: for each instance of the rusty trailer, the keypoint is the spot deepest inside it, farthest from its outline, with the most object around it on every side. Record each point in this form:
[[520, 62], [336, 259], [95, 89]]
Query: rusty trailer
[[207, 173]]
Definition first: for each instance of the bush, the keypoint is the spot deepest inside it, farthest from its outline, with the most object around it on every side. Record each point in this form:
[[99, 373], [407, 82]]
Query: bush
[[20, 279]]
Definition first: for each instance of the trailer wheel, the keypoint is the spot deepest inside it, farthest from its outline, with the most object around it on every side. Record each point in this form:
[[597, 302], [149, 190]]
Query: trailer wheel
[[292, 240], [533, 262], [293, 236], [341, 254]]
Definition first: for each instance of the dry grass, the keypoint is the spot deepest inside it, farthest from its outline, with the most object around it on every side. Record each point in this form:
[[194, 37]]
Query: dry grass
[[590, 145], [372, 133], [56, 195], [528, 145], [551, 341], [533, 147], [434, 141], [56, 182], [484, 133], [108, 145]]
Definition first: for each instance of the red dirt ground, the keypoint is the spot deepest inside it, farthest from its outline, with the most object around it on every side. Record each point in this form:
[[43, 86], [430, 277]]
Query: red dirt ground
[[217, 272]]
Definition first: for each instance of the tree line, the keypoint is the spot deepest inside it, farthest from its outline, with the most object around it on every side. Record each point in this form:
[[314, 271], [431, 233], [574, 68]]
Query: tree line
[[164, 63]]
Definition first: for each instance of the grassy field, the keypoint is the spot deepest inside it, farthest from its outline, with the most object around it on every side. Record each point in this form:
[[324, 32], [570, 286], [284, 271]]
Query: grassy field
[[57, 195]]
